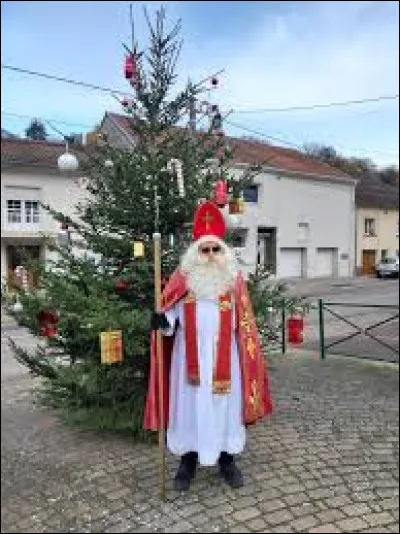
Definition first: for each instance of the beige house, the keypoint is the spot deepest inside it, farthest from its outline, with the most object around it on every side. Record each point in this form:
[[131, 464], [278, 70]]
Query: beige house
[[377, 224], [29, 177]]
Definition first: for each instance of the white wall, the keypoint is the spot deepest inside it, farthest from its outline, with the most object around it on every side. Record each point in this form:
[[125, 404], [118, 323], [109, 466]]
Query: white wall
[[283, 202], [60, 191]]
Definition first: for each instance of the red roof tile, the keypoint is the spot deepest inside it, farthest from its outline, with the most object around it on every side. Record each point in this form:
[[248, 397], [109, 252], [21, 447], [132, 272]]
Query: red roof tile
[[26, 152], [43, 153], [260, 153]]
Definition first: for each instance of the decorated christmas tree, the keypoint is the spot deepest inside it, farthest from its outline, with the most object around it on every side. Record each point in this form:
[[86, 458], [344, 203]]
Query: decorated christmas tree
[[93, 303]]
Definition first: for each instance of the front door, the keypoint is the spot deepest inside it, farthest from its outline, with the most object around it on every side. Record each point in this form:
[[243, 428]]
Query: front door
[[369, 262], [266, 249]]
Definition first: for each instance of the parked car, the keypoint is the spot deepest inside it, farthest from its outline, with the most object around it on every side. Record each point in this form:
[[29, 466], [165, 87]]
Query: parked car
[[387, 267]]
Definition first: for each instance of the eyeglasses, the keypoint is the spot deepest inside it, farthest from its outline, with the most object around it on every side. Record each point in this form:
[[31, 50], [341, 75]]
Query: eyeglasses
[[207, 250]]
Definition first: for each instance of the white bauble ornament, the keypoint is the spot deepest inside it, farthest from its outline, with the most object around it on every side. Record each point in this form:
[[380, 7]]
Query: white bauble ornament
[[67, 162]]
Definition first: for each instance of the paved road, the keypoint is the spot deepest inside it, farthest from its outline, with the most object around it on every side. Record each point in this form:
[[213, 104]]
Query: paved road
[[326, 461], [364, 291]]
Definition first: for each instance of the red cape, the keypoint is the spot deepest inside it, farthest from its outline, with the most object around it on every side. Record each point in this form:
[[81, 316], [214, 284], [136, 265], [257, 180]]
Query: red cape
[[256, 396]]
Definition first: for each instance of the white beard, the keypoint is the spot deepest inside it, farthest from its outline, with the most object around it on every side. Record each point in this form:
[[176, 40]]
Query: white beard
[[209, 279]]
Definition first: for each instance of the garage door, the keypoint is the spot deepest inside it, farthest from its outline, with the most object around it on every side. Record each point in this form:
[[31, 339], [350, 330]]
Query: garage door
[[325, 262], [290, 264]]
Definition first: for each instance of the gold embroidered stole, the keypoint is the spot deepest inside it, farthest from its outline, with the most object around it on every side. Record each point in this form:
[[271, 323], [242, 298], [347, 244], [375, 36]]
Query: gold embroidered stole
[[222, 364]]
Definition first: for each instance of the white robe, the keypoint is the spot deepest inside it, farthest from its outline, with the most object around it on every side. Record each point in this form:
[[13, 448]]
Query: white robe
[[200, 420]]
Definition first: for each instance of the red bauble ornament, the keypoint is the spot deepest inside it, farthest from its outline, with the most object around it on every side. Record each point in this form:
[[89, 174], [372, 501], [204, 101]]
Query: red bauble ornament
[[48, 320], [121, 285]]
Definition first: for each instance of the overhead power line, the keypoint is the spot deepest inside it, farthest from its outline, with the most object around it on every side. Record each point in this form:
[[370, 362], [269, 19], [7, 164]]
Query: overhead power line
[[44, 119], [111, 91], [65, 80], [262, 134], [318, 106], [268, 137], [301, 147]]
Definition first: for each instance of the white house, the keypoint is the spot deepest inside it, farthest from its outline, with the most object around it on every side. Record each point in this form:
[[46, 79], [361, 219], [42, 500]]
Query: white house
[[29, 175], [299, 219], [300, 216]]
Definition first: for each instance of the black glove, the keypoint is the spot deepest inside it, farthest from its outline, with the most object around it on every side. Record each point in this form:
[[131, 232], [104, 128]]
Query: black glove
[[159, 320]]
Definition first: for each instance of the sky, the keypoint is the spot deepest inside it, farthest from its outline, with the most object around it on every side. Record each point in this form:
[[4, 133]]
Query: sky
[[274, 55]]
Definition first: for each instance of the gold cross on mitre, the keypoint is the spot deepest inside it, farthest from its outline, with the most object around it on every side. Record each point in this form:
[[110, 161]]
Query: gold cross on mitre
[[207, 219]]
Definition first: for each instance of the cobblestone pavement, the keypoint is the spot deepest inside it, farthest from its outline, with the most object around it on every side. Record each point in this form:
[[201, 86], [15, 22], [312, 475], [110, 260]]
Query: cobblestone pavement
[[326, 461]]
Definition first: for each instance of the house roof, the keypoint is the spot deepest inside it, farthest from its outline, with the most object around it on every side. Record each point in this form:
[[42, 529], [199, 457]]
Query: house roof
[[5, 134], [373, 193], [259, 153], [29, 153]]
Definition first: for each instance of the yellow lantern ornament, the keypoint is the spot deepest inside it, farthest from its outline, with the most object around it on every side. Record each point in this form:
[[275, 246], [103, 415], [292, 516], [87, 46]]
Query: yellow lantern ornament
[[111, 346], [236, 206], [138, 249]]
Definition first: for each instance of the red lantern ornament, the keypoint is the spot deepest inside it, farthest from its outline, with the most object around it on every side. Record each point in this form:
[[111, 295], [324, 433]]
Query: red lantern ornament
[[129, 67], [48, 320], [295, 326], [221, 193]]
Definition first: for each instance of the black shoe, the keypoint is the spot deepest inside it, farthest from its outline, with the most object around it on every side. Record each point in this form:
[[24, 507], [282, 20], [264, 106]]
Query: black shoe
[[229, 471], [186, 471]]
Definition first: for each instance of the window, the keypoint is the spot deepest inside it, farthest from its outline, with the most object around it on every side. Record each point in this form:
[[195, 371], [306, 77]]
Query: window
[[389, 261], [303, 231], [239, 238], [31, 211], [14, 211], [369, 227], [19, 211], [384, 253], [250, 193]]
